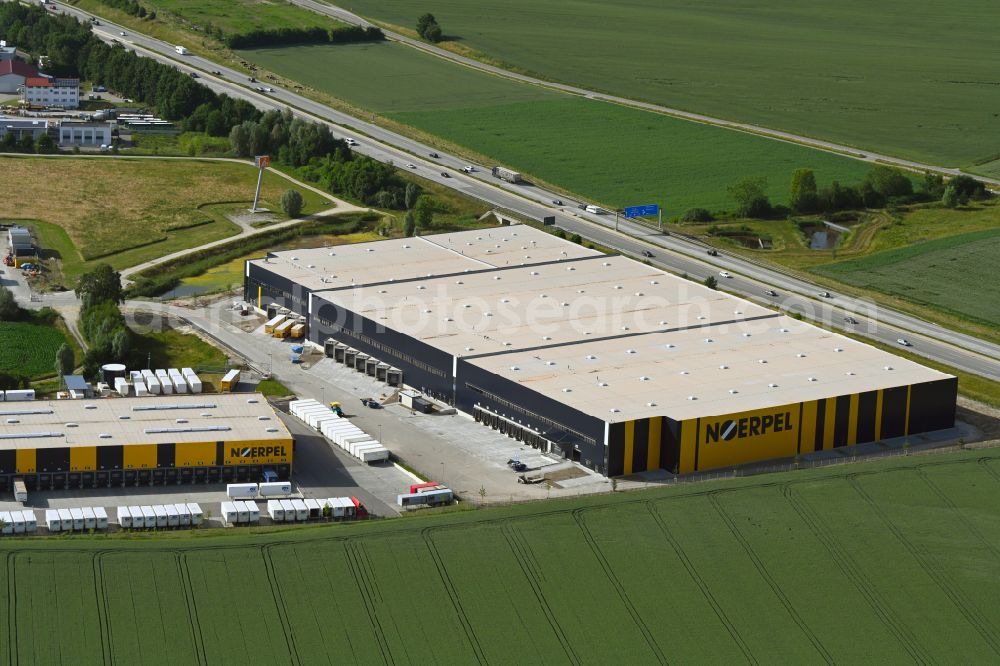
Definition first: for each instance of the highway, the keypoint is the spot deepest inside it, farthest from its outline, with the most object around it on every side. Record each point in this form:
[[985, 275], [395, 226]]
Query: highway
[[673, 253]]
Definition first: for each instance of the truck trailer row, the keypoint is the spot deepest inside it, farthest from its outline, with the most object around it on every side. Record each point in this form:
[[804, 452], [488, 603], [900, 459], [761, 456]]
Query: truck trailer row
[[160, 516], [339, 430]]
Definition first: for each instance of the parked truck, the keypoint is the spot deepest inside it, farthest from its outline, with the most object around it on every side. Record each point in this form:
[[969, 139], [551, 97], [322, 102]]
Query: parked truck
[[20, 491], [506, 174]]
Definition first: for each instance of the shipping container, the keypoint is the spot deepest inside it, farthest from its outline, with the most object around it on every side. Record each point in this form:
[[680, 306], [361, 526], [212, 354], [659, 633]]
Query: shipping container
[[314, 508], [183, 515], [20, 491], [301, 512], [27, 519], [153, 385], [241, 490], [417, 486], [20, 526], [193, 383], [275, 489], [187, 372], [347, 440], [369, 456], [100, 518], [229, 513], [331, 428], [148, 516], [428, 489], [295, 407], [406, 398], [160, 512], [354, 448], [53, 521], [138, 520], [311, 410], [180, 386], [242, 512], [283, 329], [314, 419], [289, 510], [8, 523], [22, 395], [173, 518], [230, 381], [196, 513], [253, 512], [275, 511], [277, 320], [79, 520], [66, 518], [325, 418], [121, 385]]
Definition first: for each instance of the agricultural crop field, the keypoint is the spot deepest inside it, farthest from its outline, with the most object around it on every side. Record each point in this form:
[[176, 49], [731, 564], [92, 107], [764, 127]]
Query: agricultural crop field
[[126, 211], [613, 154], [880, 562], [29, 348], [914, 80], [955, 274], [241, 16]]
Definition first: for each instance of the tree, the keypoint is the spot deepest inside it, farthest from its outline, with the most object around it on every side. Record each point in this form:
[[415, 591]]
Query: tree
[[101, 284], [952, 197], [412, 194], [711, 282], [750, 197], [121, 343], [291, 203], [425, 211], [428, 28], [9, 309], [802, 197], [697, 215], [45, 145], [65, 360], [409, 224], [968, 187], [889, 182], [27, 144], [933, 185]]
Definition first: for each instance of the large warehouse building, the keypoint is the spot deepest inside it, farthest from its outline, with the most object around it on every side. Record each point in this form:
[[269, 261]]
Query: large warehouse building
[[141, 441], [603, 359]]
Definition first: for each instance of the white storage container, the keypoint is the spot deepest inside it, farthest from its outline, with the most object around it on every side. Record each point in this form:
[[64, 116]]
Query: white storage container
[[20, 395], [301, 512], [101, 517], [354, 446], [347, 440], [339, 425], [196, 513], [8, 523], [160, 512], [27, 519], [275, 489], [187, 372], [121, 385], [314, 508], [314, 417], [341, 432], [66, 518], [369, 456], [229, 513], [89, 519], [20, 524], [180, 386], [53, 521], [241, 490], [76, 516], [160, 372], [275, 511], [183, 515], [289, 509], [166, 387], [148, 517], [323, 420], [308, 412], [140, 389], [153, 385], [173, 519], [242, 511], [253, 512], [193, 383], [295, 407]]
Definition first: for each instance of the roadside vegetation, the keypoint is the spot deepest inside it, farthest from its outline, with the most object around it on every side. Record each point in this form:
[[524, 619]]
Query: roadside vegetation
[[29, 343]]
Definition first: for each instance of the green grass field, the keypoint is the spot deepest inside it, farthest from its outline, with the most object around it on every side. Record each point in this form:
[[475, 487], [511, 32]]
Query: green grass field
[[952, 273], [881, 562], [29, 348], [240, 16], [915, 80], [615, 155]]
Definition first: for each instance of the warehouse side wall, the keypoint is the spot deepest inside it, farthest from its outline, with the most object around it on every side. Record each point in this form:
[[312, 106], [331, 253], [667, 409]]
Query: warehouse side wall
[[781, 432], [262, 287]]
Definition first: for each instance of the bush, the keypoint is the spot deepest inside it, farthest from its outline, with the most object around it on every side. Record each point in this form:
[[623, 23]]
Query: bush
[[750, 197], [697, 215], [711, 282], [291, 203]]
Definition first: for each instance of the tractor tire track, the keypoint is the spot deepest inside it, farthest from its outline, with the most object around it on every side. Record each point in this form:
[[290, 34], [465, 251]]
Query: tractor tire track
[[103, 608], [947, 501], [281, 606], [180, 558], [452, 591], [706, 591], [368, 597], [619, 588], [853, 572], [985, 462], [11, 611], [935, 574], [775, 588], [526, 560]]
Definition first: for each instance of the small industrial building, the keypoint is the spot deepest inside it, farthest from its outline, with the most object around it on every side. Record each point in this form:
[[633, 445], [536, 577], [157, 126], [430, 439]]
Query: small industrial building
[[13, 73], [20, 246], [76, 133], [601, 359], [20, 127], [7, 52], [48, 92], [114, 442]]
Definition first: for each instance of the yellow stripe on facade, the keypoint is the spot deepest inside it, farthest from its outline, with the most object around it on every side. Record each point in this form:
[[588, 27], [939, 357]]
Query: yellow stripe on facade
[[878, 416], [829, 422], [807, 429], [653, 450], [852, 420], [25, 461], [629, 446], [689, 431], [906, 422], [139, 456], [83, 458], [260, 291]]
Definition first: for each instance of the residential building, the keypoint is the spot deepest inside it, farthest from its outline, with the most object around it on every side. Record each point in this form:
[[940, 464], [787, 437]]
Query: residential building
[[52, 92]]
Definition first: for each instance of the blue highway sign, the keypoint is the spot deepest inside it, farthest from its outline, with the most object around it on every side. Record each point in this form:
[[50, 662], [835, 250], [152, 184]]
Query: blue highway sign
[[642, 211]]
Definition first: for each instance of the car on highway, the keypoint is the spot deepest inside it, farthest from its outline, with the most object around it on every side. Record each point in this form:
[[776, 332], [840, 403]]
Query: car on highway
[[269, 90], [260, 89], [350, 142], [216, 72], [772, 293], [904, 342], [557, 202], [411, 165], [122, 33], [713, 253], [434, 155], [850, 320], [194, 75], [647, 253], [825, 294], [445, 174], [468, 168], [251, 79], [725, 274]]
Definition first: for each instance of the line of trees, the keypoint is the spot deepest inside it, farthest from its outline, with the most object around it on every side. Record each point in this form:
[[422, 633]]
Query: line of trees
[[44, 145], [130, 7], [109, 339], [316, 35]]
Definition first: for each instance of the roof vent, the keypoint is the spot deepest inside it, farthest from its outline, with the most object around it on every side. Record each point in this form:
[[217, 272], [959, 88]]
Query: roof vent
[[668, 346], [13, 421], [762, 360], [534, 272], [591, 357], [295, 258], [739, 312], [685, 372], [571, 268], [692, 397], [615, 410], [310, 265], [506, 343], [467, 305], [468, 349], [733, 391], [263, 418], [651, 404], [383, 291], [251, 401], [618, 286], [888, 367], [448, 319], [746, 335], [606, 263], [420, 286], [772, 385], [709, 340], [723, 367], [654, 282], [638, 293], [624, 328], [104, 435], [783, 330], [701, 316], [630, 351], [272, 429], [427, 311], [505, 300], [459, 282], [812, 379], [405, 247], [205, 415], [550, 363], [644, 379], [514, 368], [72, 425], [567, 390], [800, 355], [602, 383], [837, 349], [546, 337], [123, 417], [849, 373], [496, 277], [90, 406], [181, 421]]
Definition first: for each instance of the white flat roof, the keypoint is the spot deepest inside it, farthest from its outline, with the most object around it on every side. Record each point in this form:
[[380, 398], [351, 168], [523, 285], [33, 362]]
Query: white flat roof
[[340, 266], [207, 418]]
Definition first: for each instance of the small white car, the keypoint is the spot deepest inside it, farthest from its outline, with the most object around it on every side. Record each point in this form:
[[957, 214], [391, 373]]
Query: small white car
[[725, 274], [904, 342], [411, 165], [350, 142], [468, 168], [122, 33]]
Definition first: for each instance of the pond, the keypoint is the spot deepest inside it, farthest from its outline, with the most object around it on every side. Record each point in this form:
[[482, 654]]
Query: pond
[[820, 236]]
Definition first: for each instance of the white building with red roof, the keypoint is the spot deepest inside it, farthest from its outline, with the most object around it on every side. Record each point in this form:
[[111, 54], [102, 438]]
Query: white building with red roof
[[40, 91]]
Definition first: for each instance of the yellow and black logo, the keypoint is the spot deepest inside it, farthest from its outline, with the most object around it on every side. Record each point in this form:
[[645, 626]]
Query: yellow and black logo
[[748, 426], [257, 452]]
